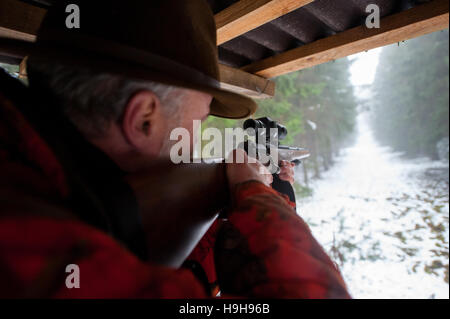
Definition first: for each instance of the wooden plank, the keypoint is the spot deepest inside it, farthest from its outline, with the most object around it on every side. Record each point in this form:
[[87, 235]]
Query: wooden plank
[[13, 34], [23, 69], [246, 15], [15, 25], [426, 18], [245, 83], [19, 19]]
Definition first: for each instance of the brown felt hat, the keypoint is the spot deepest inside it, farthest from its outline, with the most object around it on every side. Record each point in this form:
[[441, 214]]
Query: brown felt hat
[[166, 41]]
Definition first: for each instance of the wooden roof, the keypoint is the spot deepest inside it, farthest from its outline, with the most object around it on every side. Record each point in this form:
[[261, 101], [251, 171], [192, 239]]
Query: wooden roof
[[262, 39]]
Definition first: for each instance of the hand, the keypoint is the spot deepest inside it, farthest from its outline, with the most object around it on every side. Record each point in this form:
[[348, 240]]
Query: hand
[[287, 171], [244, 172]]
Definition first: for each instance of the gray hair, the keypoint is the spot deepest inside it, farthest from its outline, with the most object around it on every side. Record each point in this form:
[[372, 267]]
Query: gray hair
[[93, 101]]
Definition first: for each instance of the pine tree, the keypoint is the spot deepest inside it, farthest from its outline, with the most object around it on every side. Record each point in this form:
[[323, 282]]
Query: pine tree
[[411, 105]]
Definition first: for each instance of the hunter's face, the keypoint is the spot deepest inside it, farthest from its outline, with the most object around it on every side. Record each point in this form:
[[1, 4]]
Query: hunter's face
[[194, 107], [144, 133]]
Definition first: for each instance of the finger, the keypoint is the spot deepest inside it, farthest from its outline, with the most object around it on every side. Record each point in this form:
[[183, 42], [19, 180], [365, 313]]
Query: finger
[[269, 179], [284, 164], [287, 170], [250, 159], [238, 156], [264, 171]]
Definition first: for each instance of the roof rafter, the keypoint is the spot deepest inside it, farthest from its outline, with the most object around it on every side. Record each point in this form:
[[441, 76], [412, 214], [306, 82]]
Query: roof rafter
[[247, 15], [423, 19]]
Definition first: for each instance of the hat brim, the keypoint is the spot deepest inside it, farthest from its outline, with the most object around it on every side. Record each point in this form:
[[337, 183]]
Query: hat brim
[[225, 104]]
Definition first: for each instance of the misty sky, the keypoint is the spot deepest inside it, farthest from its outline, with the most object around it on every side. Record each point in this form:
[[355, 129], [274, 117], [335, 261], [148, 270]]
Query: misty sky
[[364, 66]]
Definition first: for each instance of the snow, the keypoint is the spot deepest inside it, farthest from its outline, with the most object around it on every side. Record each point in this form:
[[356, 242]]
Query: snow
[[312, 125], [383, 220]]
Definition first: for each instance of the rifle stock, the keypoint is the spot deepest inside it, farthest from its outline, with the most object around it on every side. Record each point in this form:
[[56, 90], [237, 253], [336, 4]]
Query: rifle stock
[[178, 203]]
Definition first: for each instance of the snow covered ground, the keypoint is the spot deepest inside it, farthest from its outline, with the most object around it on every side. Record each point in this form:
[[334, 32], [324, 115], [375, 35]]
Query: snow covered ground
[[384, 220]]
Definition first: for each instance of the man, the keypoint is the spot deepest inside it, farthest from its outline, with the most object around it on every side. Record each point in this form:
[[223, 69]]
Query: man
[[101, 103]]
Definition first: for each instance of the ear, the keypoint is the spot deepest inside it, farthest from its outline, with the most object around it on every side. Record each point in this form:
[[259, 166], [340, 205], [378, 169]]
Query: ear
[[141, 121]]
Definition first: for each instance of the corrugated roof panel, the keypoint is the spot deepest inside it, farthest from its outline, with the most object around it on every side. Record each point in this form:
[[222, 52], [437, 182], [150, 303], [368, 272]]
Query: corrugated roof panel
[[248, 49], [232, 59], [319, 19], [303, 26], [270, 36]]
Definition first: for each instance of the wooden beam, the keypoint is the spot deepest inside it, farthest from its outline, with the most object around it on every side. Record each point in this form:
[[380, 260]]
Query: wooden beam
[[13, 34], [423, 19], [245, 83], [246, 15], [23, 69], [19, 20]]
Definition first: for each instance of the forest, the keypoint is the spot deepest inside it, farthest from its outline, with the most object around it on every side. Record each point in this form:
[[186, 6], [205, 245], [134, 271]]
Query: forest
[[318, 107], [410, 97]]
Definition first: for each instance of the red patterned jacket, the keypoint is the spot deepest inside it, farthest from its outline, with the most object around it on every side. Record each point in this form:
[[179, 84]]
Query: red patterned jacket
[[52, 214]]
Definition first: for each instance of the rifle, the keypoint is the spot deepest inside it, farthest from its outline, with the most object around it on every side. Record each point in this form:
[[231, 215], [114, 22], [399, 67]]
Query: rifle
[[266, 147], [201, 192], [268, 134]]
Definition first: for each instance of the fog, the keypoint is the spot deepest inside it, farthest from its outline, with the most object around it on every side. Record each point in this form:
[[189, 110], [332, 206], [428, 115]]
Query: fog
[[384, 220]]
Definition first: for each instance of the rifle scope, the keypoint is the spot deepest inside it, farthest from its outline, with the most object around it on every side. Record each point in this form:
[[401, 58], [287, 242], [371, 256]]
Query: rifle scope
[[267, 123]]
